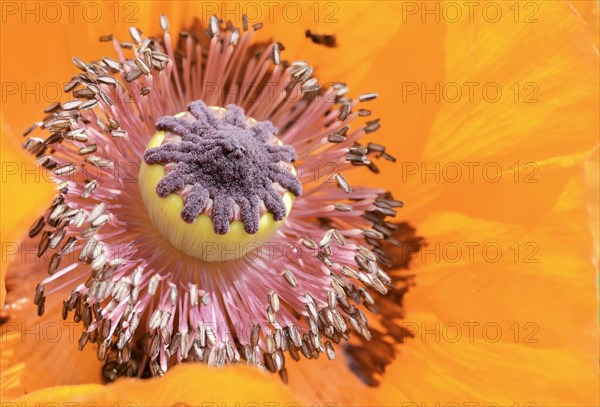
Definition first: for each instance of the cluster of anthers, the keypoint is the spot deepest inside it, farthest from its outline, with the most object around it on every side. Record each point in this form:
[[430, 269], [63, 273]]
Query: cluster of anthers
[[168, 149]]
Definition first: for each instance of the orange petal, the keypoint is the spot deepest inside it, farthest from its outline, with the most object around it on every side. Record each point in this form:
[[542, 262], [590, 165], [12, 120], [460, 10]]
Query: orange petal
[[547, 73], [185, 385], [592, 177], [361, 28], [485, 372], [504, 313], [589, 12]]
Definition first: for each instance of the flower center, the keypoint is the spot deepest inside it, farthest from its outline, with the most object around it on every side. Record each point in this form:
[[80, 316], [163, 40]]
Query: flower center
[[215, 183]]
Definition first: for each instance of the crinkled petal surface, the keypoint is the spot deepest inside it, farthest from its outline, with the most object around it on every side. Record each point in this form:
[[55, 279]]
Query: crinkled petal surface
[[592, 177], [185, 385], [512, 328]]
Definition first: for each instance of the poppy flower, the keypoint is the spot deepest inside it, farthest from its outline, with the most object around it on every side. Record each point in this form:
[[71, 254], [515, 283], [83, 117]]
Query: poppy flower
[[491, 293]]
